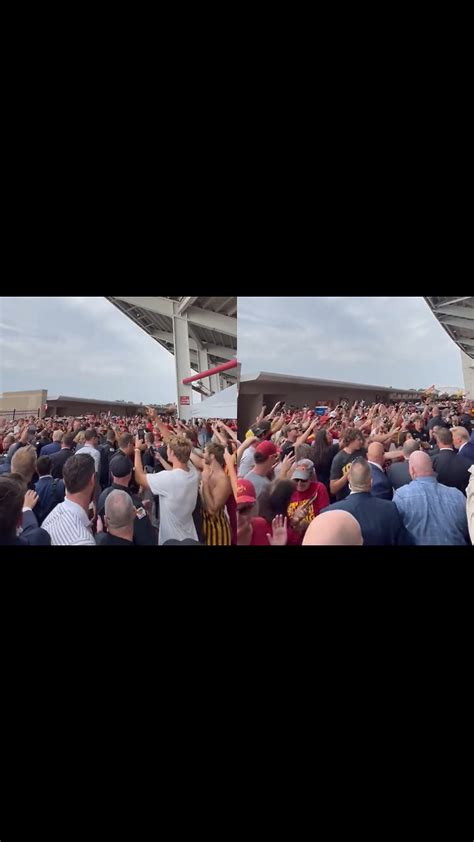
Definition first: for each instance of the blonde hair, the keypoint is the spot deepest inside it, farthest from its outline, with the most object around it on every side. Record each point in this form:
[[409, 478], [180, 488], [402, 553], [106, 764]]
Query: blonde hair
[[80, 438], [24, 462], [181, 447]]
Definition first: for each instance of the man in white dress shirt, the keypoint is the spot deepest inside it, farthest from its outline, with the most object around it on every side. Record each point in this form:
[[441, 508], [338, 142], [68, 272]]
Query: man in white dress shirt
[[90, 448], [69, 522]]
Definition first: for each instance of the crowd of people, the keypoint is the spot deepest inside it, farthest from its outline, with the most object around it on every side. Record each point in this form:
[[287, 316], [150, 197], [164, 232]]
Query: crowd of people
[[377, 474], [385, 475], [101, 480]]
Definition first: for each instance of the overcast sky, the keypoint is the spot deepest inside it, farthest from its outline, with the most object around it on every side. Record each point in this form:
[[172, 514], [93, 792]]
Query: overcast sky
[[82, 347], [385, 341]]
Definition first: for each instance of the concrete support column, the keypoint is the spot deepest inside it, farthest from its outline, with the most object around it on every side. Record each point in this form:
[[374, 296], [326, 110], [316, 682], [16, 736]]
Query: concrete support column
[[183, 367], [215, 383], [203, 360]]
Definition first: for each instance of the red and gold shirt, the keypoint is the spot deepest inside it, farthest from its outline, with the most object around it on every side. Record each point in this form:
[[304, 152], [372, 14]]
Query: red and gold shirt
[[300, 497]]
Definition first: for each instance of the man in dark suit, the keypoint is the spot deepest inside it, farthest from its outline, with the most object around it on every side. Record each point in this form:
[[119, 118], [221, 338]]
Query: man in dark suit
[[452, 468], [379, 520], [16, 513], [463, 443], [381, 485], [55, 446], [398, 474], [50, 491], [59, 459]]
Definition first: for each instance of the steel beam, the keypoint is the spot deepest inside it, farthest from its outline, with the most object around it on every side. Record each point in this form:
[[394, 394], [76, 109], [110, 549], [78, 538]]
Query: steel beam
[[455, 322], [451, 310], [455, 300], [220, 351], [185, 303], [195, 315], [213, 321], [195, 345], [155, 304]]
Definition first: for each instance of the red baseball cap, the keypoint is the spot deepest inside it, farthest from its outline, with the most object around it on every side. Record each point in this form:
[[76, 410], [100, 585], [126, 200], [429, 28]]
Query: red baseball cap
[[266, 448], [245, 492], [324, 419]]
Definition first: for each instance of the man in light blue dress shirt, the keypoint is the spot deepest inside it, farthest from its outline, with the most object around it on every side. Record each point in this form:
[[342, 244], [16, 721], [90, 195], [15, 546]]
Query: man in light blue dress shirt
[[432, 513]]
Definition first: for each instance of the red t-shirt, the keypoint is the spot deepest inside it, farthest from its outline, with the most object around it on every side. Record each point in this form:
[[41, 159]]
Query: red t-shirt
[[260, 530], [299, 497]]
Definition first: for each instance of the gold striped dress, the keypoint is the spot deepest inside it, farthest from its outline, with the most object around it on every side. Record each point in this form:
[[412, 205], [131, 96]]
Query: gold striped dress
[[216, 529]]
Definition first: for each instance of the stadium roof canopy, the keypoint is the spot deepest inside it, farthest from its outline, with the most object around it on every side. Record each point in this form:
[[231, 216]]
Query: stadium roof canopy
[[292, 380], [212, 323], [456, 315]]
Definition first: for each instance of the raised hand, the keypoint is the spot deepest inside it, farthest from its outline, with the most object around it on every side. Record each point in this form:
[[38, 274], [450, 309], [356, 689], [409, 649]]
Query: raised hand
[[287, 465], [279, 536], [31, 499]]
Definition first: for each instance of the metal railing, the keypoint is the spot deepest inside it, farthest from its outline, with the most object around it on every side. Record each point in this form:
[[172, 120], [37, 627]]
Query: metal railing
[[11, 414]]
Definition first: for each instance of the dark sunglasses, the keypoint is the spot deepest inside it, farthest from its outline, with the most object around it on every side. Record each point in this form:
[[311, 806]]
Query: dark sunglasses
[[301, 480]]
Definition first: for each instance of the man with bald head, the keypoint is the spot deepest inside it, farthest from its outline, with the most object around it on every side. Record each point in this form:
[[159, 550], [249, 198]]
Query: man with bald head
[[379, 520], [337, 529], [432, 513], [381, 485], [120, 516]]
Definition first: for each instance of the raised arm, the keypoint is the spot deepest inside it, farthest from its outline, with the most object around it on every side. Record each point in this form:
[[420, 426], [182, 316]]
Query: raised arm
[[232, 434], [230, 462], [304, 435], [140, 475], [277, 424], [197, 460], [243, 447]]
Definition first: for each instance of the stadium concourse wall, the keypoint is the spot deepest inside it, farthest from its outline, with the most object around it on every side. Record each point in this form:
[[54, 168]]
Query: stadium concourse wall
[[257, 391], [23, 403], [36, 402]]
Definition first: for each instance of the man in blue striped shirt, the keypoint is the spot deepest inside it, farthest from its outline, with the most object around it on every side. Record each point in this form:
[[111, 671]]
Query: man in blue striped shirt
[[432, 513], [69, 522]]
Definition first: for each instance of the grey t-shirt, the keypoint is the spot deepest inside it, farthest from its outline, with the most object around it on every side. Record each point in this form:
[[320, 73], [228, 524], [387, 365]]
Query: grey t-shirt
[[258, 482]]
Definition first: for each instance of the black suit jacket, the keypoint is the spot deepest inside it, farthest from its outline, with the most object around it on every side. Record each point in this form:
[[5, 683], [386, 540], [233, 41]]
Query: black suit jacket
[[381, 486], [398, 474], [452, 469], [32, 535], [58, 461], [379, 520], [468, 452], [103, 539]]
